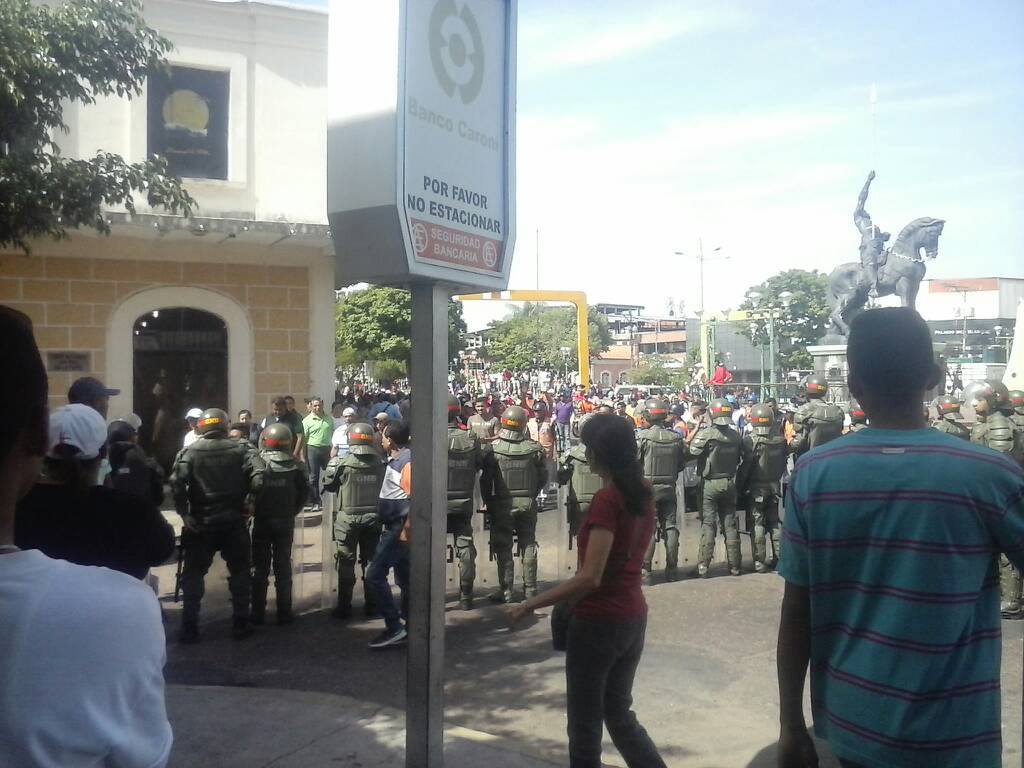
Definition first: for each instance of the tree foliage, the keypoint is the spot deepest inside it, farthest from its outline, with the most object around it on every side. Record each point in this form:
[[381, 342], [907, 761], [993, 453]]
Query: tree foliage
[[533, 337], [375, 323], [655, 371], [798, 299], [73, 52]]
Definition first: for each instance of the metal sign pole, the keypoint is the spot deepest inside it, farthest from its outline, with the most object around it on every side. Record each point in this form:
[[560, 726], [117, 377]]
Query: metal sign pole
[[424, 698]]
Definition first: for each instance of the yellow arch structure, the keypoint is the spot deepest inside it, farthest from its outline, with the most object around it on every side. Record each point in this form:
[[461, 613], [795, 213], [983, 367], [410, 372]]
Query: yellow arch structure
[[576, 298]]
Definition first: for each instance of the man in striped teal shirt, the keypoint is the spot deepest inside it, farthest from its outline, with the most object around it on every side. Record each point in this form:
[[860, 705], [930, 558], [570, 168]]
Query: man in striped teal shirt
[[891, 537]]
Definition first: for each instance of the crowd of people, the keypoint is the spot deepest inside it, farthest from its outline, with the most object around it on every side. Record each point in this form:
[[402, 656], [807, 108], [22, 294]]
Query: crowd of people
[[890, 533]]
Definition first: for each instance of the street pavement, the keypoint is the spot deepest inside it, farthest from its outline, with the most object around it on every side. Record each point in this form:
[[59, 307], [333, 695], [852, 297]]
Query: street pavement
[[705, 690]]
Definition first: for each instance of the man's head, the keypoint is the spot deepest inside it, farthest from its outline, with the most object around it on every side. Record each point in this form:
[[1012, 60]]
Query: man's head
[[192, 416], [92, 392], [337, 408], [23, 431], [121, 432], [238, 431], [245, 416], [289, 402], [396, 436], [316, 406], [480, 405], [349, 414], [279, 407], [891, 363], [620, 408], [380, 421]]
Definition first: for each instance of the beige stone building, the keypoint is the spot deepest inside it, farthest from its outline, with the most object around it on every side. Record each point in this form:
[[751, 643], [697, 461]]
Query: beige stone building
[[235, 305]]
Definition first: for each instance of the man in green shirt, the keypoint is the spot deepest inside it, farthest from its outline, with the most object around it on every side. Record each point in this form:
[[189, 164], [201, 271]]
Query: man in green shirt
[[318, 428]]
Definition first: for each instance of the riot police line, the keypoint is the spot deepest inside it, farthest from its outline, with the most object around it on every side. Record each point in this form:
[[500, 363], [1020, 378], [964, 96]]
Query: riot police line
[[220, 483]]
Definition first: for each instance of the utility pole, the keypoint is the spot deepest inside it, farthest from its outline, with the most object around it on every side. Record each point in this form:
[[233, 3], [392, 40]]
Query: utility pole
[[700, 269]]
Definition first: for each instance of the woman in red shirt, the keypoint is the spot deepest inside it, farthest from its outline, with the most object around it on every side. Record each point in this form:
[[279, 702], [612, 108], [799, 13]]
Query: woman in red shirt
[[609, 621]]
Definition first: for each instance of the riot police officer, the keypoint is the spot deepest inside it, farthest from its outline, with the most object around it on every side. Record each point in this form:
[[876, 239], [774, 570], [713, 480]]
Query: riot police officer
[[950, 421], [995, 429], [759, 483], [718, 448], [582, 481], [515, 471], [815, 422], [356, 479], [1017, 403], [464, 460], [858, 419], [280, 498], [662, 455], [211, 481]]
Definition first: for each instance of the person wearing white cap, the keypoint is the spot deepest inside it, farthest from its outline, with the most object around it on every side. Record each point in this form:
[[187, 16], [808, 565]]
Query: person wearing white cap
[[192, 418], [83, 648], [339, 440], [66, 515]]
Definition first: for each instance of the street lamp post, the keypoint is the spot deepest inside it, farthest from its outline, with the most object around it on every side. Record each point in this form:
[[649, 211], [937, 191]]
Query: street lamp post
[[700, 268]]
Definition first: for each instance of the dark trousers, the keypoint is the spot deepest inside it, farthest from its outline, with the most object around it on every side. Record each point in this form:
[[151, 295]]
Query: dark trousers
[[317, 457], [200, 547], [391, 553], [600, 664], [272, 547]]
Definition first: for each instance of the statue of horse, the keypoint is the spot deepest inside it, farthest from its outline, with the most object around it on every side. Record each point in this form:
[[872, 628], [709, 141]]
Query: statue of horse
[[900, 274]]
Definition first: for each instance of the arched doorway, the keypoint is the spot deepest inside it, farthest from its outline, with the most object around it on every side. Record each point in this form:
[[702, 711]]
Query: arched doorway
[[180, 361]]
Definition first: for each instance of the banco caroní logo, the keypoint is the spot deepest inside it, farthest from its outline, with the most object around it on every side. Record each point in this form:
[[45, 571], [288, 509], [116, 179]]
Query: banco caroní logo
[[456, 50]]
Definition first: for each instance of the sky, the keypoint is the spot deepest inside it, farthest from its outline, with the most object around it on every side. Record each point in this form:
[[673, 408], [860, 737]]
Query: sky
[[648, 128]]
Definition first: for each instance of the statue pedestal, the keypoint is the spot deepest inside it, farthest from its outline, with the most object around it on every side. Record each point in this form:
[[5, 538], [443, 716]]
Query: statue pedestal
[[830, 360]]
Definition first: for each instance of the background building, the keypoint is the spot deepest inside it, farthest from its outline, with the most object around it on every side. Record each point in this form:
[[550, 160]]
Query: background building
[[234, 305], [973, 317]]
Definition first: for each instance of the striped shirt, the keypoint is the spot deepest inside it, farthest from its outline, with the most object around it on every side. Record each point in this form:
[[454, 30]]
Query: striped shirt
[[896, 534]]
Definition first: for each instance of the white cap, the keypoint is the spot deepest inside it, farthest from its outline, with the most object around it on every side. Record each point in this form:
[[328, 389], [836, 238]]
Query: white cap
[[350, 411], [78, 426], [133, 420], [194, 413]]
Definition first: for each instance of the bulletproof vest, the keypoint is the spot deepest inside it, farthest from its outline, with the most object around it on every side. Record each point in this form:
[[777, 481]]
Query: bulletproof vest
[[484, 429], [822, 421], [219, 484], [361, 479], [722, 456], [517, 473], [281, 493], [584, 482], [951, 427], [770, 455], [661, 449], [463, 461]]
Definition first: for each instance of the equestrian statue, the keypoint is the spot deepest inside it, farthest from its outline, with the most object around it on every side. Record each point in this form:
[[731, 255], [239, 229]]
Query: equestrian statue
[[882, 271]]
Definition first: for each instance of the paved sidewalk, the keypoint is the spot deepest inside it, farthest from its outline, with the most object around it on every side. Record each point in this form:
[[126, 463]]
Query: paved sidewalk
[[257, 727]]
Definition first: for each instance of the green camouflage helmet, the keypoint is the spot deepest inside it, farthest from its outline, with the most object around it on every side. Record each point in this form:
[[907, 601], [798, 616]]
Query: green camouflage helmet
[[991, 396], [762, 418], [360, 439], [815, 385], [655, 410], [213, 420], [513, 422], [454, 407], [720, 411], [277, 438], [1017, 400], [857, 415], [947, 405]]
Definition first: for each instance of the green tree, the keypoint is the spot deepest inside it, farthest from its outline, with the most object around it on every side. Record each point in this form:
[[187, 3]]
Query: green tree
[[73, 52], [654, 371], [375, 323], [534, 335], [798, 299]]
